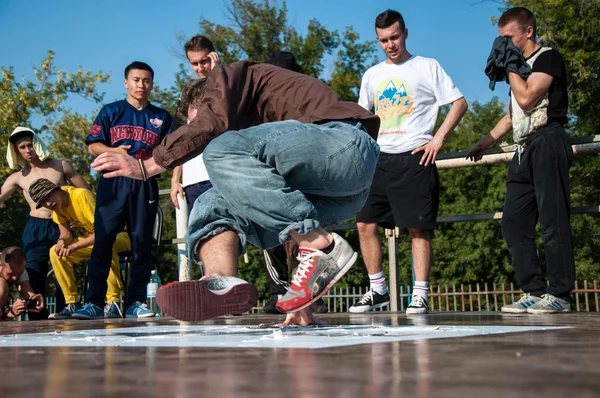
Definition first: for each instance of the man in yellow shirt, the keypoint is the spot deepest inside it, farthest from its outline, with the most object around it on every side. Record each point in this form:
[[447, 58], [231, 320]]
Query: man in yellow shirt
[[73, 210]]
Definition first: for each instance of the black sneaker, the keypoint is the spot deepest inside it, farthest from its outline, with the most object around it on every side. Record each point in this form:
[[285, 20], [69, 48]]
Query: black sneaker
[[319, 307], [418, 305], [370, 301], [270, 308]]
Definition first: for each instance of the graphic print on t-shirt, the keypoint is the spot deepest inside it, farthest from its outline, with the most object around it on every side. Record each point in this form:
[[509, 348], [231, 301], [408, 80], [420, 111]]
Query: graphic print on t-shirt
[[393, 102]]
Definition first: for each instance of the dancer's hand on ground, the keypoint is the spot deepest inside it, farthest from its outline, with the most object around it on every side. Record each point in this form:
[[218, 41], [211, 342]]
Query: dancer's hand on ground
[[302, 318]]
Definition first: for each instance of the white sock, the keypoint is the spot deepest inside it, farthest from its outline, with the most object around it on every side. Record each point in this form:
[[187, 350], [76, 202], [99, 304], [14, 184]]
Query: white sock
[[421, 289], [377, 282]]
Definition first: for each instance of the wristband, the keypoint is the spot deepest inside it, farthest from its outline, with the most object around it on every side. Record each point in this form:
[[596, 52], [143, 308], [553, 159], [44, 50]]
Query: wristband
[[143, 170]]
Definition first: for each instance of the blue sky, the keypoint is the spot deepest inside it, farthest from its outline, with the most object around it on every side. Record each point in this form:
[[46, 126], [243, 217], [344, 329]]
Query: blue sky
[[107, 35]]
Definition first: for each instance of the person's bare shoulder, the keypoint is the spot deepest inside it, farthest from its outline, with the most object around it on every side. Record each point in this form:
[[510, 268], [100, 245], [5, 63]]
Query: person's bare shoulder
[[16, 179], [58, 164]]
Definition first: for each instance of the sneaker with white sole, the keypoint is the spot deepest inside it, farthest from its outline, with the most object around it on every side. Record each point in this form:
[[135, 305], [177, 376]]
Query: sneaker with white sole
[[112, 310], [521, 306], [317, 272], [66, 312], [418, 305], [549, 304], [88, 311], [370, 301], [139, 310], [207, 298]]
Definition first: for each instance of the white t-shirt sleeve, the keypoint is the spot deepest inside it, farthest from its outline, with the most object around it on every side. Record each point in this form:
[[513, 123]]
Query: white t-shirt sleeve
[[24, 277], [365, 99], [444, 89]]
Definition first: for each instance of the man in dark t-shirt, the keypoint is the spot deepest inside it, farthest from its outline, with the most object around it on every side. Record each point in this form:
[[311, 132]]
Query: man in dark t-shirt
[[538, 176]]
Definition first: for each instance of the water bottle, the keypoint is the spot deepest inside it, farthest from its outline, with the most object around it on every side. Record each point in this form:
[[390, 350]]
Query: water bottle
[[151, 289]]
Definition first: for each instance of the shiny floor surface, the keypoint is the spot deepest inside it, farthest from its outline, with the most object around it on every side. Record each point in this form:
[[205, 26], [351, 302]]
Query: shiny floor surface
[[373, 355]]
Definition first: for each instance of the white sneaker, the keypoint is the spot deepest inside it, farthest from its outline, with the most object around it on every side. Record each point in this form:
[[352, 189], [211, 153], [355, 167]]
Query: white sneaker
[[549, 304], [521, 306]]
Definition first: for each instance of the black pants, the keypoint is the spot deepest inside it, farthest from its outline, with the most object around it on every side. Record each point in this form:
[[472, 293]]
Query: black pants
[[277, 270], [122, 201], [38, 237], [538, 187]]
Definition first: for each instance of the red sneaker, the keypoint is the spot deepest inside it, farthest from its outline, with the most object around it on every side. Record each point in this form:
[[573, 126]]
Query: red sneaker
[[316, 274], [207, 298]]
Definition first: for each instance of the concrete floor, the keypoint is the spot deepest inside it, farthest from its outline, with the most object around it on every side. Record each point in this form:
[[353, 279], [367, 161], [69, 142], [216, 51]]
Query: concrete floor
[[546, 363]]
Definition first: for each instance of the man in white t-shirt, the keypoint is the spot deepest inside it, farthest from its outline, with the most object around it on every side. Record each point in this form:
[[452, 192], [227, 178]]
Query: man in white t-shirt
[[13, 272], [405, 91], [201, 55]]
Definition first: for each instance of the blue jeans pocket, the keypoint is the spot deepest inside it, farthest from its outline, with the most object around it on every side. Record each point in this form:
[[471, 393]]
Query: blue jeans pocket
[[349, 170]]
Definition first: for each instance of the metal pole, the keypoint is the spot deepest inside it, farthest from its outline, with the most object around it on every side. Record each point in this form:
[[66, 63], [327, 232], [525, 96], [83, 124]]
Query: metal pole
[[502, 155], [392, 250], [181, 220]]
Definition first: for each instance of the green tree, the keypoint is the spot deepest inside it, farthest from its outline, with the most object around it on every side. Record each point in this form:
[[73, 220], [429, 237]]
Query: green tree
[[261, 27], [353, 59]]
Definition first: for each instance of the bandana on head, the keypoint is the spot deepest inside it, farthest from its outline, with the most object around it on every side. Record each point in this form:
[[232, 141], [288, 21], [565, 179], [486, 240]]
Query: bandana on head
[[14, 158]]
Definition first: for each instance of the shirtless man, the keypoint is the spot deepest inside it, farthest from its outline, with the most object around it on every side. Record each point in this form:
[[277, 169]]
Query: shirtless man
[[28, 154]]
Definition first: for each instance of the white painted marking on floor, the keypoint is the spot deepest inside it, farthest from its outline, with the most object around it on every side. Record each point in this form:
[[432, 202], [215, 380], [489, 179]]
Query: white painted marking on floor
[[230, 336]]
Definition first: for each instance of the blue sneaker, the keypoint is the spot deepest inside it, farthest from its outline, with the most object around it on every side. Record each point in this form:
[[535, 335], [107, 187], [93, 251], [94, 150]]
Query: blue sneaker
[[112, 310], [89, 311], [139, 310], [66, 312]]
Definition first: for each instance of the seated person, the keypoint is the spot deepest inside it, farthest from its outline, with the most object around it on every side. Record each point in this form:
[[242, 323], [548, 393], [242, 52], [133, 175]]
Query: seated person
[[73, 209], [12, 272]]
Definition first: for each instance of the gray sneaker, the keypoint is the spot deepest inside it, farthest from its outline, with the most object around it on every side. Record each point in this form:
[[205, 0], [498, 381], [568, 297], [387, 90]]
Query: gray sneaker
[[549, 304], [66, 312], [521, 306], [317, 272]]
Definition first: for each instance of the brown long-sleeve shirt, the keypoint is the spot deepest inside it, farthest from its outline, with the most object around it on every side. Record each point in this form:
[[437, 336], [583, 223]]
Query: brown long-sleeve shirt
[[246, 94]]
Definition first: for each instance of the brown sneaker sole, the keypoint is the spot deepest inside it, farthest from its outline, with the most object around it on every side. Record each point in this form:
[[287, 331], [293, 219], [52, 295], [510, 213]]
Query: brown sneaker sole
[[192, 301]]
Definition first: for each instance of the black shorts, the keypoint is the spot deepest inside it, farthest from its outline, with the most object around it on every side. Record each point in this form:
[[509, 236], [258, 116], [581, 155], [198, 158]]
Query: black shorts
[[403, 194]]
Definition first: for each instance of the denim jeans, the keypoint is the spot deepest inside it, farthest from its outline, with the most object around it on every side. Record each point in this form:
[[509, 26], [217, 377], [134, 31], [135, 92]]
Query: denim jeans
[[279, 177], [538, 187]]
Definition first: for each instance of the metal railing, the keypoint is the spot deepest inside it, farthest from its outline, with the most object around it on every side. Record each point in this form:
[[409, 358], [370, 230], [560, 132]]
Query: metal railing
[[464, 297]]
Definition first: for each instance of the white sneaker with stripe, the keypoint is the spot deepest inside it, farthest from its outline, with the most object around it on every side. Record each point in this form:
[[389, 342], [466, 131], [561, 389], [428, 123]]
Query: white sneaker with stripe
[[521, 306], [549, 304]]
